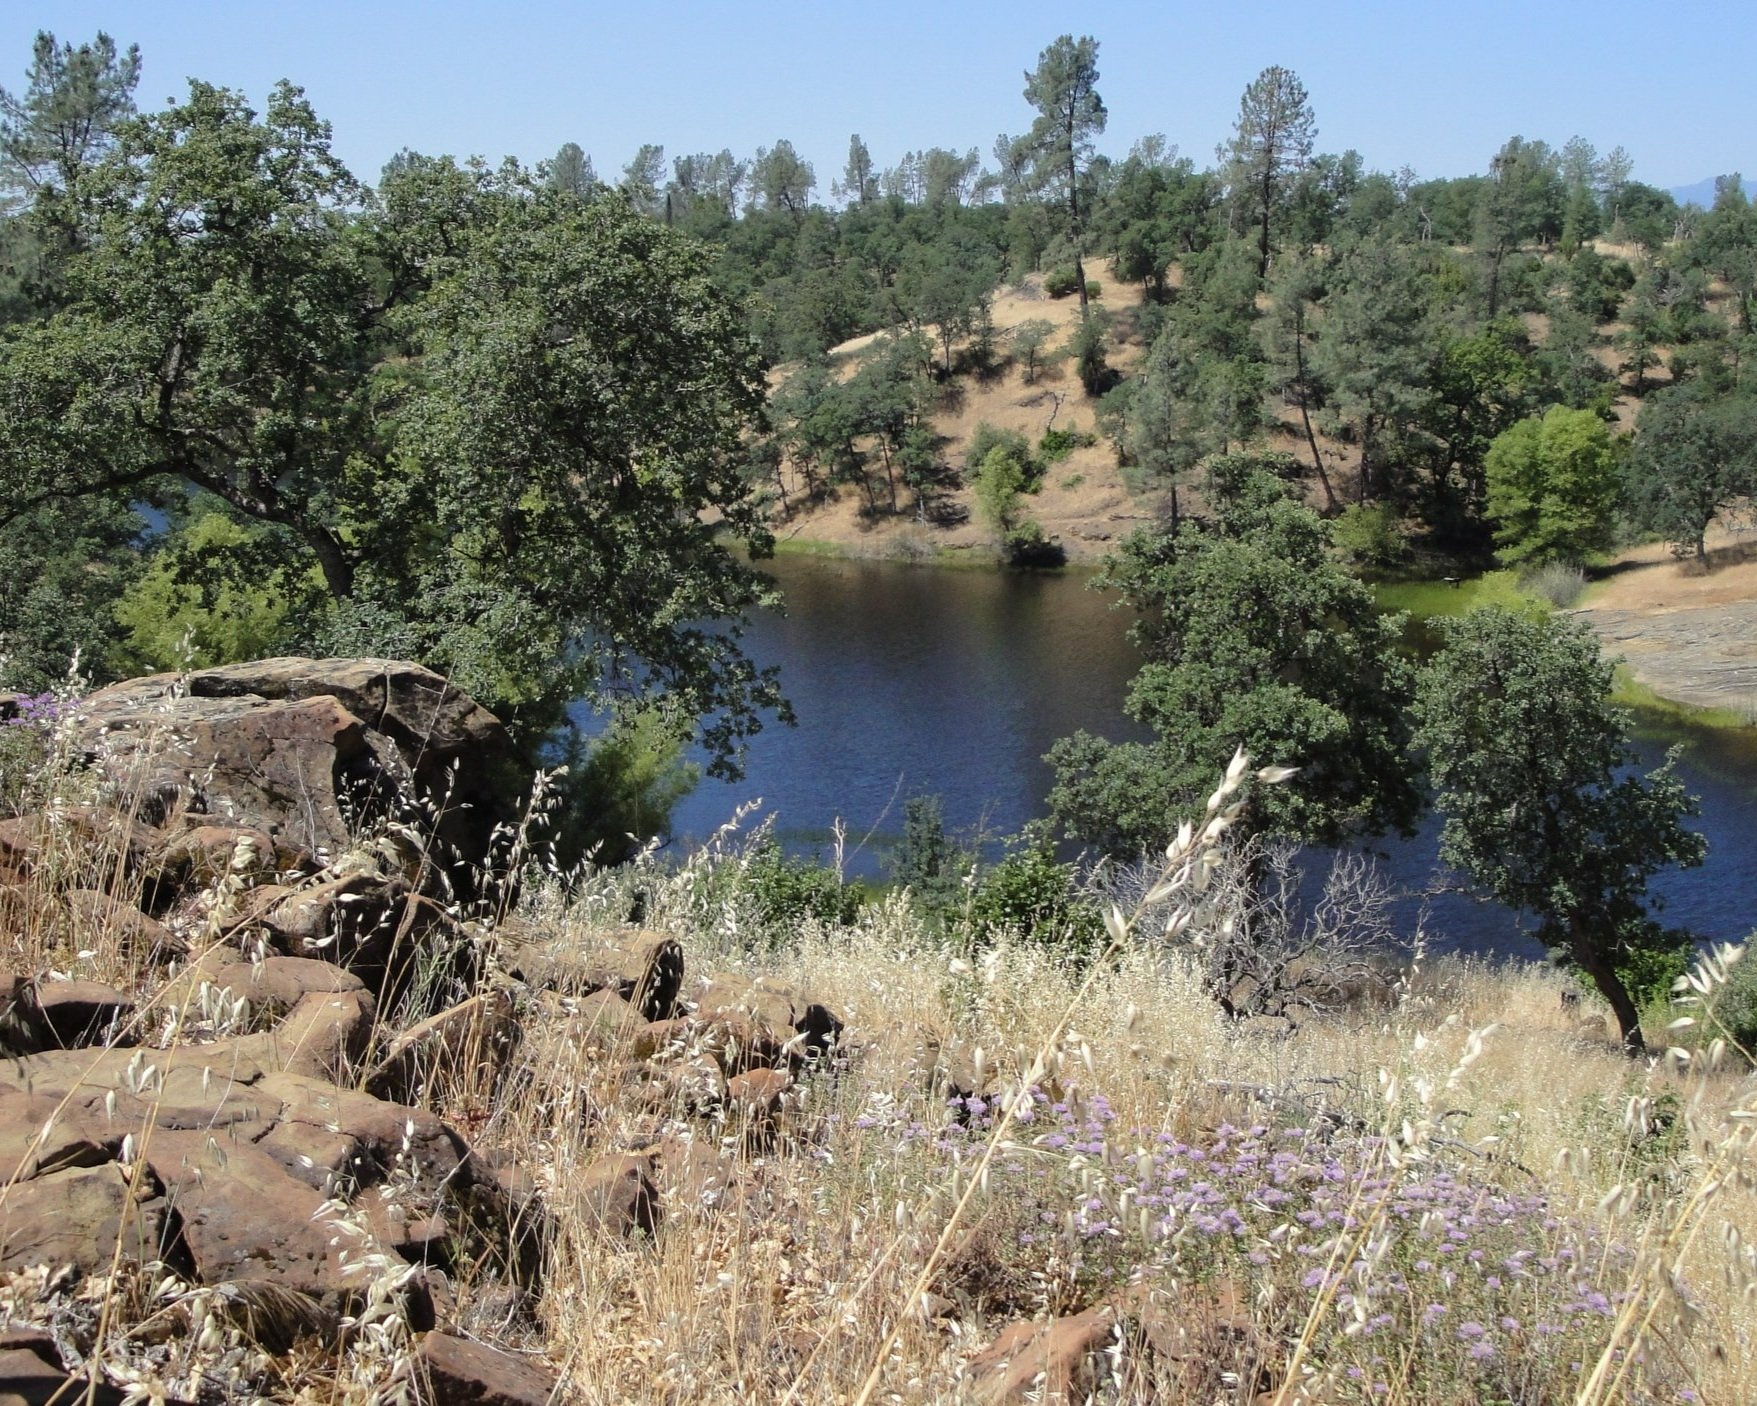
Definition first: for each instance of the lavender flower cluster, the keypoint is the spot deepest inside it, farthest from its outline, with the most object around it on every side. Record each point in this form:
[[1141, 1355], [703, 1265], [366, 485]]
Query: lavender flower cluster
[[38, 710], [1421, 1264]]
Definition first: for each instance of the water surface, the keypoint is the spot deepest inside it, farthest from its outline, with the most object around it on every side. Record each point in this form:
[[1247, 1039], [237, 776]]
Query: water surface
[[920, 680]]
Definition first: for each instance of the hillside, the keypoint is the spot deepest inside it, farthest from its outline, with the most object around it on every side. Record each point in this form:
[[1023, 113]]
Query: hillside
[[1084, 501]]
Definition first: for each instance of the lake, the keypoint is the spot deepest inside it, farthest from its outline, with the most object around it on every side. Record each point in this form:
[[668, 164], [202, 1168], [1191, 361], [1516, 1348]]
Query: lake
[[912, 680]]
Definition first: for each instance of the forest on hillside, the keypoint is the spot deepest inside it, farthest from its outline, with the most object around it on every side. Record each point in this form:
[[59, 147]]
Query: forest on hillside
[[522, 426], [1411, 320]]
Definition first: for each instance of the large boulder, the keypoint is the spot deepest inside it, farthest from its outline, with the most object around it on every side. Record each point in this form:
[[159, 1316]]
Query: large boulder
[[309, 751]]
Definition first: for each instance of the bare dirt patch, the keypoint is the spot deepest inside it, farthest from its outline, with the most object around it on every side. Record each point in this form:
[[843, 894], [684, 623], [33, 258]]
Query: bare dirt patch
[[1687, 633], [1084, 501]]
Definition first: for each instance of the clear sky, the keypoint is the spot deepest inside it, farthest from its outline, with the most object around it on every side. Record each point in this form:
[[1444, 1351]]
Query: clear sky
[[1437, 88]]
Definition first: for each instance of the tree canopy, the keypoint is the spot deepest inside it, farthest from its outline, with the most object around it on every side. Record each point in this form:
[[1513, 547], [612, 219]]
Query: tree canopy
[[493, 416], [1253, 638], [1530, 765]]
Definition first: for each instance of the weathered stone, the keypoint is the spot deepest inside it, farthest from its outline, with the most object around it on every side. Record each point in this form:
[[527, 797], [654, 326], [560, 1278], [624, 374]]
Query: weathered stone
[[301, 748], [1044, 1362], [324, 1036], [282, 767], [27, 1380], [753, 1105], [244, 1216], [737, 1043], [32, 1338], [96, 912], [274, 1316], [275, 985], [695, 1086], [78, 1217], [120, 1091], [660, 1038], [202, 854], [478, 1034], [644, 968], [40, 1136], [617, 1194], [336, 918], [459, 1372], [694, 1175], [371, 1137], [802, 1028], [22, 1027], [766, 1005], [82, 1013]]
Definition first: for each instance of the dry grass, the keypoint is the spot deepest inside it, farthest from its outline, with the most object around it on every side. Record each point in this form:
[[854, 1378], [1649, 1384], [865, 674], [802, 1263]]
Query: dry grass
[[866, 1248]]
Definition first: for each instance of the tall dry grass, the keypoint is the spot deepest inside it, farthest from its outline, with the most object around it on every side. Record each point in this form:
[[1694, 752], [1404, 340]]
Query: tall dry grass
[[1460, 1195]]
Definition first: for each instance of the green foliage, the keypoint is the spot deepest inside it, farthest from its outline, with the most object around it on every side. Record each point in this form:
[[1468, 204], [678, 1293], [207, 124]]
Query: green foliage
[[393, 388], [62, 565], [927, 862], [1253, 636], [1056, 444], [1060, 147], [1028, 341], [1695, 453], [1370, 536], [1553, 487], [203, 599], [788, 891], [1374, 347], [986, 438], [1061, 282], [1030, 894], [1271, 143], [621, 788], [1088, 345], [1000, 480], [1529, 764]]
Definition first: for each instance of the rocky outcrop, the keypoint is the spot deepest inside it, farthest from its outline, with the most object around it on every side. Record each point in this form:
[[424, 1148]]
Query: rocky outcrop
[[308, 752], [248, 1111]]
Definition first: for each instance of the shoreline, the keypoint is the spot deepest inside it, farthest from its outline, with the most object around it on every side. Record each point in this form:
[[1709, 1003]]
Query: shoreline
[[1699, 669]]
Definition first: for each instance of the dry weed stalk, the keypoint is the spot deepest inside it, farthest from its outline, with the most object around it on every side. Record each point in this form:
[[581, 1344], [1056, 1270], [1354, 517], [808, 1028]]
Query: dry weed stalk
[[1191, 860]]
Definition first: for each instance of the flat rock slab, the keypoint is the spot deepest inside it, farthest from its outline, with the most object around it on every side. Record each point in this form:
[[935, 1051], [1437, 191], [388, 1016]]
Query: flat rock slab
[[1703, 655], [79, 1217], [460, 1372], [27, 1380], [244, 1216]]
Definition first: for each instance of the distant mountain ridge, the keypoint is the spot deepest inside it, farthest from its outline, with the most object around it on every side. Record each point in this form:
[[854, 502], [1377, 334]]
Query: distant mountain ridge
[[1702, 193]]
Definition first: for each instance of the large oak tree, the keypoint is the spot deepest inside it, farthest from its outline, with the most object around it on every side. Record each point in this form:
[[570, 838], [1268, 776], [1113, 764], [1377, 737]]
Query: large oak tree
[[496, 418]]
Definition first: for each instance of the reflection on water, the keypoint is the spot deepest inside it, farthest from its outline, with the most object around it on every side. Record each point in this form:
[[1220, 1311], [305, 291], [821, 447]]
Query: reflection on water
[[915, 680]]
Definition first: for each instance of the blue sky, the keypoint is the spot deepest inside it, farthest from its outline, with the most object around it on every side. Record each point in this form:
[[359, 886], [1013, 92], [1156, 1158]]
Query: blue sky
[[1435, 88]]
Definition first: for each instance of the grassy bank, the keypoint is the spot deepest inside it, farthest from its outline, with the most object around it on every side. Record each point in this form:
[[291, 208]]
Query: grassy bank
[[1445, 1185]]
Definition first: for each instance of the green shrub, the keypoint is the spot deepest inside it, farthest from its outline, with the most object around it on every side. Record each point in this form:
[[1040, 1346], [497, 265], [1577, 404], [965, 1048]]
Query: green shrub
[[1031, 894], [1028, 544], [1370, 537], [620, 789], [1056, 444], [788, 891], [927, 862], [986, 438], [1059, 283], [999, 481]]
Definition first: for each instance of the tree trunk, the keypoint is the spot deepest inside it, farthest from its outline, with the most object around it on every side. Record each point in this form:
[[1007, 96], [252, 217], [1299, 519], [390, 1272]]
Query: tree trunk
[[1592, 959], [1305, 415]]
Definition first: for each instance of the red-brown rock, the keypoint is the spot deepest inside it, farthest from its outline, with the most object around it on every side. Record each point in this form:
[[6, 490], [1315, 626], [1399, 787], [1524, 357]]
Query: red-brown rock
[[619, 1196], [459, 1372], [78, 1217]]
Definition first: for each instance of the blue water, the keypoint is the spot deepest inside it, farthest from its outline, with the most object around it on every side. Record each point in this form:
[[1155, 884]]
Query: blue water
[[915, 680]]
